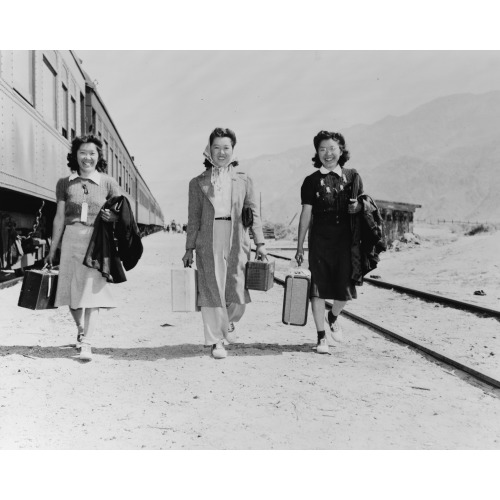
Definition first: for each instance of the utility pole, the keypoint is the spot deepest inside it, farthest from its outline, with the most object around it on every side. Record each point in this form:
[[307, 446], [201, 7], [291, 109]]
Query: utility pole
[[260, 194]]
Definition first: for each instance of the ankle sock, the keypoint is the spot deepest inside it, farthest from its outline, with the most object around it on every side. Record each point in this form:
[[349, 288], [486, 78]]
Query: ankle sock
[[331, 317], [321, 335]]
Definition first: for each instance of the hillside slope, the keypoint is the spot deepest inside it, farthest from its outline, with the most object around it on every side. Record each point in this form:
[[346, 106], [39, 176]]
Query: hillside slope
[[443, 155]]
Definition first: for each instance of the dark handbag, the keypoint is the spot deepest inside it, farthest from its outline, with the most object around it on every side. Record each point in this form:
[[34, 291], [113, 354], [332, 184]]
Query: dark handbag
[[247, 217]]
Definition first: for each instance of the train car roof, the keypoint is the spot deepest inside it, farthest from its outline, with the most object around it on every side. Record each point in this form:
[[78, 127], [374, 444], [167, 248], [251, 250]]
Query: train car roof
[[90, 84]]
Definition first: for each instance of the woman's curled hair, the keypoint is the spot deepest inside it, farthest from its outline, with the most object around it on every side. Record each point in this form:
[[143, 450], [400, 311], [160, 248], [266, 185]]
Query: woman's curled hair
[[102, 164], [338, 138], [220, 132]]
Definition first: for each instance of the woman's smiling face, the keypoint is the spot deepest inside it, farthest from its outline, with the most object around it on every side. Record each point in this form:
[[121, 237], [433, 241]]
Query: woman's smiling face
[[221, 151], [87, 157], [329, 153]]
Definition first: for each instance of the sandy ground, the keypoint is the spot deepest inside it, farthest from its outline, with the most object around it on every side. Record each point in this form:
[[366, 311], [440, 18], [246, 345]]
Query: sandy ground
[[152, 384]]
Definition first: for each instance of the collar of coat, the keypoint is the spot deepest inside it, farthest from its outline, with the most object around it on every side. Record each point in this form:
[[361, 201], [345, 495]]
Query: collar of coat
[[204, 181]]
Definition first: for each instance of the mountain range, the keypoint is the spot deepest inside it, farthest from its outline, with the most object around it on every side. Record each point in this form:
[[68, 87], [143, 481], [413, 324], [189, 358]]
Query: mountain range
[[443, 155]]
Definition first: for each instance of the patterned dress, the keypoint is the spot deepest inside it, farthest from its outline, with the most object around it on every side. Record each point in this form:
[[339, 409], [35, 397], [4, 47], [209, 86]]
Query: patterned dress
[[330, 233]]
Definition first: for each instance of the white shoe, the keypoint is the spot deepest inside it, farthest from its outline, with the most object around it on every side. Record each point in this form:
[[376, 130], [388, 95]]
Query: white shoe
[[322, 347], [335, 332], [230, 336], [79, 339], [218, 351], [85, 352]]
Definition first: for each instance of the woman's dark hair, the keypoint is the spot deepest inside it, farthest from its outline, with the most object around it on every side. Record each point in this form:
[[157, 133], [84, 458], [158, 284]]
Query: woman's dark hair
[[102, 164], [221, 132], [338, 138]]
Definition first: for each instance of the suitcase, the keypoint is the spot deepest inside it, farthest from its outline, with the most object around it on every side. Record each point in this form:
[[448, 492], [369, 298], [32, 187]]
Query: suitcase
[[39, 289], [259, 275], [185, 290], [296, 297]]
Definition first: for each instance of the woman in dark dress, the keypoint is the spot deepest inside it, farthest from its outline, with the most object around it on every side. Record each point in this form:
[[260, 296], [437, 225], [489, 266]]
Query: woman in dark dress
[[329, 198]]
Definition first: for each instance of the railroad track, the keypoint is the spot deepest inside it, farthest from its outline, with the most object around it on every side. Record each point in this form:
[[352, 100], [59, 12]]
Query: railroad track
[[431, 297], [465, 306]]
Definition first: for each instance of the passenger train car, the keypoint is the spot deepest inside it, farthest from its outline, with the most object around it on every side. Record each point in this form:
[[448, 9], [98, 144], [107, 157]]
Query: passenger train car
[[46, 99]]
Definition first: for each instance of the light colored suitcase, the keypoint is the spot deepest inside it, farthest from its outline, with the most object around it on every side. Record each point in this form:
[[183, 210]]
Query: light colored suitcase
[[296, 297], [184, 290]]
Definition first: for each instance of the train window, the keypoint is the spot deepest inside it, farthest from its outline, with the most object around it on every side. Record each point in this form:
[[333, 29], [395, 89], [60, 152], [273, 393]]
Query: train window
[[82, 114], [49, 108], [23, 73], [72, 117], [120, 174], [65, 119], [94, 123], [116, 167]]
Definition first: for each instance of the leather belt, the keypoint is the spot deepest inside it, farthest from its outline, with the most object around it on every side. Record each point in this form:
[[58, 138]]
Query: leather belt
[[73, 223], [334, 218], [223, 218]]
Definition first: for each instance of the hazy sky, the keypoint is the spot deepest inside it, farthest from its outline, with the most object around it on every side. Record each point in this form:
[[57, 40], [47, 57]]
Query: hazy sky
[[165, 103]]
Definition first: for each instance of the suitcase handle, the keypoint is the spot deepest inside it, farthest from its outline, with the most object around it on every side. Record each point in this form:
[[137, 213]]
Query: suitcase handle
[[259, 258], [47, 268]]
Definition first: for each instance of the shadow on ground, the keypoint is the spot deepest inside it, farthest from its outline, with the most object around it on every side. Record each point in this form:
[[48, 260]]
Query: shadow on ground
[[153, 353]]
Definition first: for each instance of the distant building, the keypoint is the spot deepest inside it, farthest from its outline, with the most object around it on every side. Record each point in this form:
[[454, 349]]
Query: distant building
[[398, 219]]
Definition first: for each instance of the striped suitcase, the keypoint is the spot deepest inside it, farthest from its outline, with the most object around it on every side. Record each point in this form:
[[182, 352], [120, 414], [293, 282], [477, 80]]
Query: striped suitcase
[[296, 297]]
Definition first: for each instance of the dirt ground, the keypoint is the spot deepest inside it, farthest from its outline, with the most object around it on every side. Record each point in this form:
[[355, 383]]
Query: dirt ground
[[152, 385]]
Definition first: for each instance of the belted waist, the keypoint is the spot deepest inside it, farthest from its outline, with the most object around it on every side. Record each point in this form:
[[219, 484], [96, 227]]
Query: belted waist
[[72, 223], [223, 218], [331, 217]]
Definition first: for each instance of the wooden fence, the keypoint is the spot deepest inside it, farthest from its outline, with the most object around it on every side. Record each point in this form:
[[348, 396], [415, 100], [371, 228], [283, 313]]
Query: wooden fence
[[496, 225]]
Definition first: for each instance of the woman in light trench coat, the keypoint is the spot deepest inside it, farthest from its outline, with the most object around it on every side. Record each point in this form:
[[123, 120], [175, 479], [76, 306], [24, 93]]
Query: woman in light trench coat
[[215, 230]]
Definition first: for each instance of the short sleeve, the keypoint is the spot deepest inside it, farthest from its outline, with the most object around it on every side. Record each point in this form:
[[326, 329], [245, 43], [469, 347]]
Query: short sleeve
[[61, 190], [114, 188], [361, 189], [307, 191], [357, 182]]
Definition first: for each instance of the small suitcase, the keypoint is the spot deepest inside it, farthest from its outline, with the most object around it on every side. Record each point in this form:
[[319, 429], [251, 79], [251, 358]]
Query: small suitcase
[[185, 290], [39, 289], [259, 275], [296, 297]]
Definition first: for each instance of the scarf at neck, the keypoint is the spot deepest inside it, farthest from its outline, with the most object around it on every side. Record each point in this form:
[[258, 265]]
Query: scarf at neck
[[219, 174]]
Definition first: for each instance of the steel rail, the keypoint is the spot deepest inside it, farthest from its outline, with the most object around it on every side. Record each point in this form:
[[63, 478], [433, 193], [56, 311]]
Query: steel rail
[[433, 297], [10, 282], [401, 338], [434, 354], [458, 304]]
